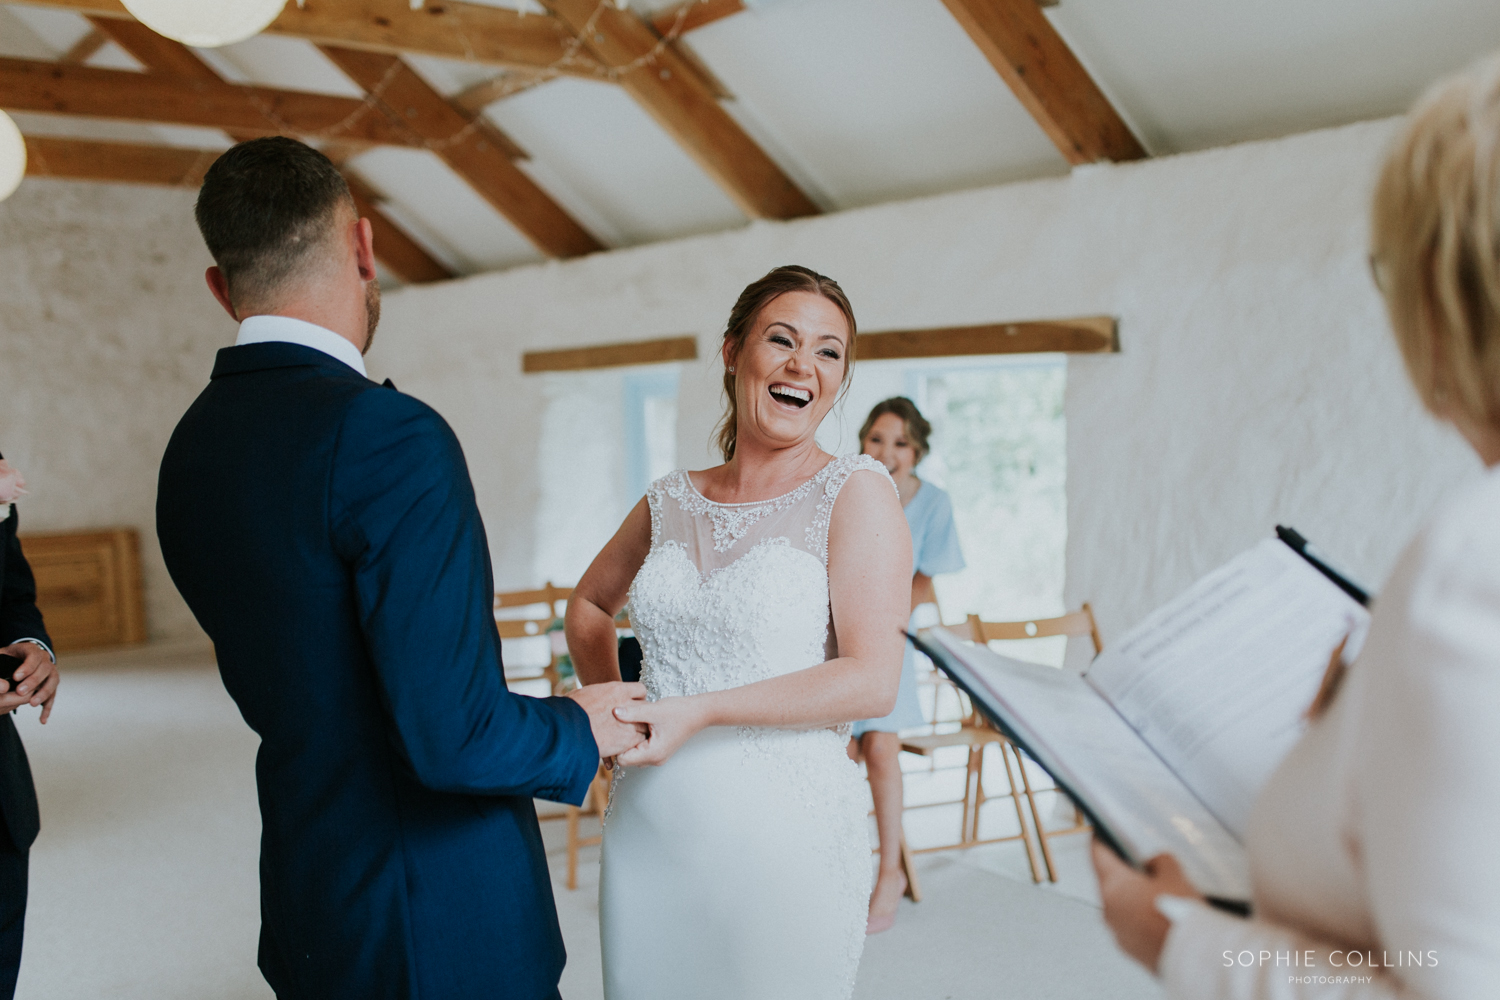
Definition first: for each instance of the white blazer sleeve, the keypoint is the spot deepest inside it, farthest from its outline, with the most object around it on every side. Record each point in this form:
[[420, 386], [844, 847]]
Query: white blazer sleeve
[[1204, 951], [1425, 776]]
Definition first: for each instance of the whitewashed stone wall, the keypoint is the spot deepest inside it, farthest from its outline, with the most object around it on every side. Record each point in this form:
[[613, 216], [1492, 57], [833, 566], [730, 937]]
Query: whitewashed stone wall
[[107, 332], [1257, 382]]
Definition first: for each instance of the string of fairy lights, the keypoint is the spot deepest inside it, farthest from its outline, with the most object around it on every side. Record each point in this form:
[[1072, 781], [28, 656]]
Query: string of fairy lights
[[216, 23], [574, 58]]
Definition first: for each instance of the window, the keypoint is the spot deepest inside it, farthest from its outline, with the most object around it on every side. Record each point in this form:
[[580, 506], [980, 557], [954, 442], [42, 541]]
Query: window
[[650, 426], [999, 447], [606, 434]]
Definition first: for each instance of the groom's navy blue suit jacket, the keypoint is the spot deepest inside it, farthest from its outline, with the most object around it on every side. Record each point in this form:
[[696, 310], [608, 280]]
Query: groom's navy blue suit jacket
[[19, 619], [323, 530]]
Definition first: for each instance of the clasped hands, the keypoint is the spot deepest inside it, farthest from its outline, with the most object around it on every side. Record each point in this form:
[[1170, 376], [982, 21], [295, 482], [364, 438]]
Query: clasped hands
[[637, 732], [33, 683]]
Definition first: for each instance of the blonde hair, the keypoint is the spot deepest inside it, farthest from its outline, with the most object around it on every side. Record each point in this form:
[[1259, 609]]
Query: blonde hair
[[756, 296], [1435, 241]]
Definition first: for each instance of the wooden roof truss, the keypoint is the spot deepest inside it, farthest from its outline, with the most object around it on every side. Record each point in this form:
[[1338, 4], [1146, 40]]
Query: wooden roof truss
[[580, 38]]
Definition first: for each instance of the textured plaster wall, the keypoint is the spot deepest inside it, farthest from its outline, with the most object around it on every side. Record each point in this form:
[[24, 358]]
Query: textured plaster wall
[[1257, 382], [106, 335]]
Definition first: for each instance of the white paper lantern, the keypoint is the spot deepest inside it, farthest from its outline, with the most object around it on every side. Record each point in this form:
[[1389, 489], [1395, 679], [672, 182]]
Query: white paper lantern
[[206, 24], [12, 156]]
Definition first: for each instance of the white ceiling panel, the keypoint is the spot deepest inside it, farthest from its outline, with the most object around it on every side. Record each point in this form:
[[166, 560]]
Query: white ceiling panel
[[456, 220], [859, 101], [111, 56], [874, 99], [39, 32], [448, 76], [286, 63], [1192, 74], [602, 148]]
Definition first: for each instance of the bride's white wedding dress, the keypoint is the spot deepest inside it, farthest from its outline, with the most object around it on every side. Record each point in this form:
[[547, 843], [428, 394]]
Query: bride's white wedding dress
[[739, 869]]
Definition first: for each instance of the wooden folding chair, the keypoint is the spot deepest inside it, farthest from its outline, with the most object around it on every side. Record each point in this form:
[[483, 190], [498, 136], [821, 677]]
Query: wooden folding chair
[[553, 597], [532, 626], [596, 802], [1079, 623], [975, 734]]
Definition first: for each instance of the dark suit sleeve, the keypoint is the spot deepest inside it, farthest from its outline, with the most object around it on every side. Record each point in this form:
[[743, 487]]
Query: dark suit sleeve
[[19, 617], [403, 515]]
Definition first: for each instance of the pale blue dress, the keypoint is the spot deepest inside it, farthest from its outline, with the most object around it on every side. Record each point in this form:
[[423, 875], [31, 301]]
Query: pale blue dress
[[934, 550]]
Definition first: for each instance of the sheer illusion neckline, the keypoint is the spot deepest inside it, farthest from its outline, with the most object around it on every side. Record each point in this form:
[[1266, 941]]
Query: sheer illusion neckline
[[756, 503]]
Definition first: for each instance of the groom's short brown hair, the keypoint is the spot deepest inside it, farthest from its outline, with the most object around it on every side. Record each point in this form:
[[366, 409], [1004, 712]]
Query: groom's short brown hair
[[266, 209]]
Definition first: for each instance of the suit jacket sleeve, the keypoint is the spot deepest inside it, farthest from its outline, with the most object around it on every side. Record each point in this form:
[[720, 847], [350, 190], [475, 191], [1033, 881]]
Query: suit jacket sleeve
[[19, 617], [403, 515]]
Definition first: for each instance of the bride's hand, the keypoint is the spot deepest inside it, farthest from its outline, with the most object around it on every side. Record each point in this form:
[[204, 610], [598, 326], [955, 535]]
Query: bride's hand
[[672, 721]]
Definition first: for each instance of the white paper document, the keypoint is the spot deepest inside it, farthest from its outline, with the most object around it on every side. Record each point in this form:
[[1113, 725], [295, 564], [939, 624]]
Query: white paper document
[[1170, 734]]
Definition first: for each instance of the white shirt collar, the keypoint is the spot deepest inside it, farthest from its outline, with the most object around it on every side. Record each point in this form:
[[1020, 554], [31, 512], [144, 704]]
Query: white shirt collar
[[259, 329]]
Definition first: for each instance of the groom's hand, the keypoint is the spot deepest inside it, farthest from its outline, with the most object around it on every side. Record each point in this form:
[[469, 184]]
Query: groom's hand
[[34, 682], [600, 701]]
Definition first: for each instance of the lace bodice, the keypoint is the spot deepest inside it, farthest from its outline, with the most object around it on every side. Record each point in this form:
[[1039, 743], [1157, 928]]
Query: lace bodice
[[730, 594]]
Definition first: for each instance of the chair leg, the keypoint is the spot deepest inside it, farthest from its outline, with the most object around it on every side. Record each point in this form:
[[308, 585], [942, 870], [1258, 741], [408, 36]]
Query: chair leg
[[1015, 798], [599, 793], [913, 888], [573, 813], [979, 796], [1036, 816], [963, 826]]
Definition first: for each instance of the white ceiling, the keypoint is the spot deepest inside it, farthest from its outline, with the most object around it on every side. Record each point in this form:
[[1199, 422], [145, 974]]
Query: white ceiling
[[859, 101]]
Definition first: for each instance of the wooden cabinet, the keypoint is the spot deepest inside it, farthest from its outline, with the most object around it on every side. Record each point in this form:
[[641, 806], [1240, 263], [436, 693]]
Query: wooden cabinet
[[88, 587]]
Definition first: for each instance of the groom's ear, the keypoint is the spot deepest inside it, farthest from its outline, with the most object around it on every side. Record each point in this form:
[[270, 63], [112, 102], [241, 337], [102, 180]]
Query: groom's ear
[[364, 249], [219, 285]]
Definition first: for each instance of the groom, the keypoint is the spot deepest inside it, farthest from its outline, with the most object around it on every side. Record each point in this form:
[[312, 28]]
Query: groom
[[324, 531]]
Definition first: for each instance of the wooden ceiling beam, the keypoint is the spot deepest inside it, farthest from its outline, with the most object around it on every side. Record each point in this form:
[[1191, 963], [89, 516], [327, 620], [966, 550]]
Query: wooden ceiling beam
[[638, 352], [163, 55], [400, 254], [695, 14], [53, 88], [481, 95], [169, 166], [155, 52], [450, 28], [463, 142], [117, 162], [1083, 335], [1035, 61], [84, 49], [684, 105]]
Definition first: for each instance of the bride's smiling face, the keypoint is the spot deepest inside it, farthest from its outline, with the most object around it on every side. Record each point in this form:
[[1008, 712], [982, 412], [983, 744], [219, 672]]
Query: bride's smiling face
[[789, 368]]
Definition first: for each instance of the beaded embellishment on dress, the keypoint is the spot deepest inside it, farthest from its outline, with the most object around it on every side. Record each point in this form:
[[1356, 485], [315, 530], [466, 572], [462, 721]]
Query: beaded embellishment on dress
[[732, 520], [731, 594]]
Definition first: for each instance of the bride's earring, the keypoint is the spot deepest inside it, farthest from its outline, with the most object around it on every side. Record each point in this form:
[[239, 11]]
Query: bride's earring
[[731, 369]]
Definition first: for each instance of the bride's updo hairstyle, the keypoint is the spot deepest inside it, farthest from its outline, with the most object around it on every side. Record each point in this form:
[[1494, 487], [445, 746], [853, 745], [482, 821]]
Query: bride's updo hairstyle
[[1435, 241], [755, 297]]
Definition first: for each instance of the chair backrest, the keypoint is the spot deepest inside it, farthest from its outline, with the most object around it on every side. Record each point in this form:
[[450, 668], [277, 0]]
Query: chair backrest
[[521, 628], [1080, 622], [547, 594]]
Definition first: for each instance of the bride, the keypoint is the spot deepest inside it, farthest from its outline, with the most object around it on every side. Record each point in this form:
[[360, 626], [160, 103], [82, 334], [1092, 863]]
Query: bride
[[769, 594]]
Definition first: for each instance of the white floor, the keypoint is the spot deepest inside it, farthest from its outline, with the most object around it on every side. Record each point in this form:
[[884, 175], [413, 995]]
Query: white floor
[[143, 882]]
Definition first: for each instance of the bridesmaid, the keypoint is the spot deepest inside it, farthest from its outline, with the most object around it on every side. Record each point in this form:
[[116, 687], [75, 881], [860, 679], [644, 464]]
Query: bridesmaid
[[895, 435]]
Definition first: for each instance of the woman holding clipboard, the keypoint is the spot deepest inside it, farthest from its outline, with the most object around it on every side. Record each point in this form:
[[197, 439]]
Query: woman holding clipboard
[[1371, 846]]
